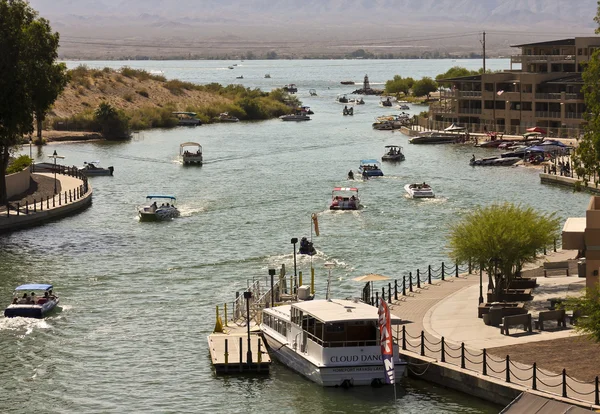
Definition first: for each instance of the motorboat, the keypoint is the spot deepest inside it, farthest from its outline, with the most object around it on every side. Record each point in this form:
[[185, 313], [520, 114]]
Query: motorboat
[[306, 110], [494, 161], [295, 117], [403, 107], [421, 190], [391, 122], [386, 101], [190, 153], [290, 88], [240, 77], [34, 305], [344, 198], [357, 101], [306, 247], [393, 153], [93, 168], [154, 212], [348, 111], [342, 99], [187, 118], [370, 168], [267, 76], [225, 117], [498, 143], [312, 92], [438, 138], [332, 342], [229, 67], [347, 82]]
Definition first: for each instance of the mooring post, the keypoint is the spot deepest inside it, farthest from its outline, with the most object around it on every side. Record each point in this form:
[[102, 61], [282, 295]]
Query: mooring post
[[470, 266], [418, 279], [462, 355], [395, 289], [241, 356], [443, 271], [429, 274], [508, 368], [404, 344], [564, 382], [410, 281], [422, 343], [443, 350], [456, 270], [382, 295], [484, 362], [226, 354], [389, 292], [376, 298], [534, 377], [403, 285], [597, 392]]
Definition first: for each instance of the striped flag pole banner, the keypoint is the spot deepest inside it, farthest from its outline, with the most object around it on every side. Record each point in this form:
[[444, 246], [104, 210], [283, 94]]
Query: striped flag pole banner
[[387, 342]]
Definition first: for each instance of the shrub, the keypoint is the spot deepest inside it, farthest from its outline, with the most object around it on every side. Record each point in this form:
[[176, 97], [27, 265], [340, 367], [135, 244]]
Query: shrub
[[128, 97], [18, 164], [114, 124], [143, 92]]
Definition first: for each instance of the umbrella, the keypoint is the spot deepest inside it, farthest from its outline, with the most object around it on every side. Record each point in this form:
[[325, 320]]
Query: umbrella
[[371, 277], [536, 129]]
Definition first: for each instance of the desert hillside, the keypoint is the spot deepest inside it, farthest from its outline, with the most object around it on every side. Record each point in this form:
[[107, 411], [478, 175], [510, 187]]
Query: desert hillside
[[127, 90]]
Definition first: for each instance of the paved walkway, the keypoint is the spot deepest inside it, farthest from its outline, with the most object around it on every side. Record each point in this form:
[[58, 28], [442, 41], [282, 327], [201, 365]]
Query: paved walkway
[[448, 309]]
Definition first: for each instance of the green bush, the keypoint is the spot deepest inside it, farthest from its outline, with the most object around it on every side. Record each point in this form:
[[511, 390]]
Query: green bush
[[18, 164], [128, 97], [143, 92]]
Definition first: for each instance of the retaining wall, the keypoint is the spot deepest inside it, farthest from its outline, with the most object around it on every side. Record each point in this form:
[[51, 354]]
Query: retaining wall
[[17, 183]]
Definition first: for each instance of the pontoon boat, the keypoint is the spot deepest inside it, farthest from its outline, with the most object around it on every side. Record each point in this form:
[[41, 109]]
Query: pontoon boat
[[393, 153], [154, 212], [190, 153], [34, 305], [187, 119], [344, 198], [370, 168]]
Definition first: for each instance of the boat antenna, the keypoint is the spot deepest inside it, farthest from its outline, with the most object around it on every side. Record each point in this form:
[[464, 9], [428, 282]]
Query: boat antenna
[[329, 266]]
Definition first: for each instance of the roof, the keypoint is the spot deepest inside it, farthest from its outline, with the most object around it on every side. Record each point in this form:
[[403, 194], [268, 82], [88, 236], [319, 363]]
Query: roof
[[189, 144], [345, 189], [574, 225], [528, 403], [574, 78], [160, 196], [371, 161], [560, 42], [338, 310], [34, 286], [471, 78]]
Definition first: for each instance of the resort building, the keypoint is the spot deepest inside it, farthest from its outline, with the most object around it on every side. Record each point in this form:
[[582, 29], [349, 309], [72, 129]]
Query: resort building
[[545, 92]]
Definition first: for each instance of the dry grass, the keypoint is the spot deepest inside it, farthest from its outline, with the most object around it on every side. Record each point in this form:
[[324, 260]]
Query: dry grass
[[578, 355]]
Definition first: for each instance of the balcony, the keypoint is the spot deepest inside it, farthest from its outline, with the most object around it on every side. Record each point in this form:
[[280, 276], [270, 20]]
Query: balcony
[[470, 94], [574, 115], [525, 59], [547, 114], [474, 111], [441, 109], [548, 96]]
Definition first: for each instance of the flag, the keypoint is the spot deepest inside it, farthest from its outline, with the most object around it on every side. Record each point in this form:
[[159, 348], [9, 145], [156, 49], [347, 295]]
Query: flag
[[387, 343], [500, 92], [315, 223]]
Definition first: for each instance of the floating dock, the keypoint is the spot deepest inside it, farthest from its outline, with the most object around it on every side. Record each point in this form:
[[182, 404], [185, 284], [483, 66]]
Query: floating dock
[[229, 351]]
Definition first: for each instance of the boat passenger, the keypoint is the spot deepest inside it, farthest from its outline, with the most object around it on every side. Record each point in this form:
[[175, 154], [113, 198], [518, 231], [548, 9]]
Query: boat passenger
[[24, 299], [473, 158], [350, 175], [51, 295], [15, 300]]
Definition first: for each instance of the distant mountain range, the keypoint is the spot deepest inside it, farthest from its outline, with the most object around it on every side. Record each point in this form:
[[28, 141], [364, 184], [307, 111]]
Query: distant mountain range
[[318, 22]]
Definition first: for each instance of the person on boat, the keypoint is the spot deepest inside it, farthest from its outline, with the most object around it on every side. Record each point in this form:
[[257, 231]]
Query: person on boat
[[425, 185], [51, 295], [153, 206], [473, 158], [32, 298], [15, 300], [350, 175], [24, 299]]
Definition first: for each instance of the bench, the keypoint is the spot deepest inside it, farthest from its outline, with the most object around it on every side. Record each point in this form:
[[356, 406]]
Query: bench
[[556, 267], [515, 320], [558, 315]]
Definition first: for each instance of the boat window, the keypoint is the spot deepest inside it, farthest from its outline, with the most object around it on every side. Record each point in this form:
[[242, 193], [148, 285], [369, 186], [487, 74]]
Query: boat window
[[334, 327]]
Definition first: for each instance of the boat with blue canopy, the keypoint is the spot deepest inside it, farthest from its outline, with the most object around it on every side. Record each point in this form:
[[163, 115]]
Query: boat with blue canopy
[[370, 168], [33, 300], [155, 212]]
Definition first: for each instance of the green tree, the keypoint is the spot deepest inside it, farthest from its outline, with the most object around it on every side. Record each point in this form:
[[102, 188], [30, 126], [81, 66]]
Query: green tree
[[501, 238], [589, 307], [455, 72], [424, 87], [27, 48], [399, 85], [113, 124]]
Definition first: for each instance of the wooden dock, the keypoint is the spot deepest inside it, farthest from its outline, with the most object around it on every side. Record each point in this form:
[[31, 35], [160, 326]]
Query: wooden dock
[[229, 351]]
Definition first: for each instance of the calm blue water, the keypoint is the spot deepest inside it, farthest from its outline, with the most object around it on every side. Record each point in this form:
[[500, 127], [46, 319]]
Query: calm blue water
[[138, 298]]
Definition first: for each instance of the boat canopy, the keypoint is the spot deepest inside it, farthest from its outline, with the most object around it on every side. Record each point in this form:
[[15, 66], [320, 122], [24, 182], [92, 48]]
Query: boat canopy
[[345, 189], [369, 162], [190, 144], [34, 286], [170, 197], [393, 146]]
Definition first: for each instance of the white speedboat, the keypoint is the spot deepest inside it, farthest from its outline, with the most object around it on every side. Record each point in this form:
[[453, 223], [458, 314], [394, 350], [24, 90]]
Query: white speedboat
[[331, 342], [225, 117], [190, 153], [187, 119], [34, 305], [154, 212], [295, 117], [93, 169], [422, 190]]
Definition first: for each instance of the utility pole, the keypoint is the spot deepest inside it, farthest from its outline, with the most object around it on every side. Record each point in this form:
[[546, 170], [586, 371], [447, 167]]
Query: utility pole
[[483, 44]]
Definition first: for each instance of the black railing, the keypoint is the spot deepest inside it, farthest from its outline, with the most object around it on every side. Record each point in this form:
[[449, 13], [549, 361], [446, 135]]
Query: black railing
[[501, 368]]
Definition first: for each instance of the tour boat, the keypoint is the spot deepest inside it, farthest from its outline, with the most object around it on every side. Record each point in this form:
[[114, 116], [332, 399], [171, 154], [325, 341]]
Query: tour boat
[[370, 168], [34, 305], [190, 153], [291, 88], [344, 198], [93, 169], [393, 153], [154, 212], [421, 190], [331, 342]]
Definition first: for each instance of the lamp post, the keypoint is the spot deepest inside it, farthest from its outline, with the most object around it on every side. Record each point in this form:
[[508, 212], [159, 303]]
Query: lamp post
[[55, 156], [329, 266], [30, 153], [480, 284], [294, 241], [272, 274], [247, 296]]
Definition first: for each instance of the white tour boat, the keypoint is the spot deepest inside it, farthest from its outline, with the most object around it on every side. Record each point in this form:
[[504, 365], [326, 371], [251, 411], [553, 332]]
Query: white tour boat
[[422, 190], [331, 342], [190, 153]]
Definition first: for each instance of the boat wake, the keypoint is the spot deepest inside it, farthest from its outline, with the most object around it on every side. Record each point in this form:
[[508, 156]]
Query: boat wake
[[26, 324], [190, 211]]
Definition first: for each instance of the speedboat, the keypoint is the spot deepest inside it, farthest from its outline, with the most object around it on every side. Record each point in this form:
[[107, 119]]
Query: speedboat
[[347, 82], [154, 212], [312, 92], [190, 153], [306, 247], [370, 168], [332, 342], [295, 117], [403, 107], [267, 76], [494, 161], [342, 99], [291, 88], [92, 169], [37, 305], [393, 153], [240, 77], [421, 190], [187, 119], [438, 138], [344, 198], [225, 117], [386, 101]]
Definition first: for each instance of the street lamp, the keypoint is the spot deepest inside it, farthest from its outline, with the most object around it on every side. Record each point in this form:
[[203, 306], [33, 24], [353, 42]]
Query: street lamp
[[248, 296], [30, 153], [329, 266], [55, 156], [480, 284]]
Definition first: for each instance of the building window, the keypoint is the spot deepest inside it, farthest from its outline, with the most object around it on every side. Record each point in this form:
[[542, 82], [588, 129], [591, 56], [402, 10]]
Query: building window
[[579, 51], [489, 87]]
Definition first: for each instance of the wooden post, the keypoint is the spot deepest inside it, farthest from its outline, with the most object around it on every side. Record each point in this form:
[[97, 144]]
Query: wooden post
[[443, 351], [226, 355], [422, 343], [484, 362], [418, 279], [462, 355]]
